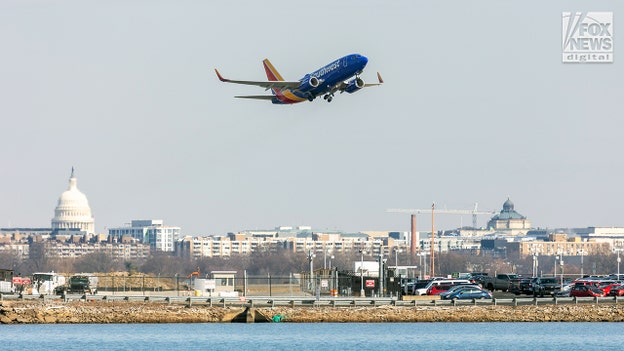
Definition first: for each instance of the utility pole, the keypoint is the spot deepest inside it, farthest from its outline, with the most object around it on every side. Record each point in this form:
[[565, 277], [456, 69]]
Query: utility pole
[[432, 240], [381, 272]]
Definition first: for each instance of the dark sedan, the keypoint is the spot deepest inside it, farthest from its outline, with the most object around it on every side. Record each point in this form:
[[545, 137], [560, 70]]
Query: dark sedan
[[468, 294]]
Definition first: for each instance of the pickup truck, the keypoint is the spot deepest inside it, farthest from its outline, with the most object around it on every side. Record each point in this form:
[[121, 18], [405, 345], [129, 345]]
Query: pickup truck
[[502, 282], [545, 286]]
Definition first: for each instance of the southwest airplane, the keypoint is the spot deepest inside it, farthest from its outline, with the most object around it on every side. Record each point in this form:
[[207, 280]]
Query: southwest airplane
[[340, 75]]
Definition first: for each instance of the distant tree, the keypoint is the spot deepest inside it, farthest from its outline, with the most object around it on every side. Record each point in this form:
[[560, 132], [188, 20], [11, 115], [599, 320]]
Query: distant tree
[[165, 264], [344, 261], [238, 263], [97, 262], [38, 258], [602, 264], [9, 259], [65, 265], [450, 262], [131, 267]]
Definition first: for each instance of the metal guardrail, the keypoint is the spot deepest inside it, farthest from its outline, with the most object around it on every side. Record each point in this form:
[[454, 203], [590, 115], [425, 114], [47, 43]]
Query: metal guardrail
[[298, 301]]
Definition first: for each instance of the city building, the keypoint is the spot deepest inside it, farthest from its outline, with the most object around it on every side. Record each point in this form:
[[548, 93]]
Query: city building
[[72, 213], [572, 247], [286, 239], [117, 251], [151, 231]]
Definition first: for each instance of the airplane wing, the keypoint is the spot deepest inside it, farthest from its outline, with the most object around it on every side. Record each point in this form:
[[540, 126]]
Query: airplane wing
[[342, 86], [278, 84], [379, 79]]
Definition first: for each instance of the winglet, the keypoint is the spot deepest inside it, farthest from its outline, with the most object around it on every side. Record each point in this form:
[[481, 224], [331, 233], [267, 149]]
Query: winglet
[[378, 78], [220, 76]]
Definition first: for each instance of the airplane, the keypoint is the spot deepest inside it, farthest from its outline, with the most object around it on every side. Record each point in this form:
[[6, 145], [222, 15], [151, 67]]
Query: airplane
[[342, 75]]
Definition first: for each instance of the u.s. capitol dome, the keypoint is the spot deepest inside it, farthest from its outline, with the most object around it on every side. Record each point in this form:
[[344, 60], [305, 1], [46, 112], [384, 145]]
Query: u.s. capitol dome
[[72, 211]]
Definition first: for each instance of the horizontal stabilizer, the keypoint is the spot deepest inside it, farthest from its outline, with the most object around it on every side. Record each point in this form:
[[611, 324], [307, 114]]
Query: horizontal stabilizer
[[258, 97]]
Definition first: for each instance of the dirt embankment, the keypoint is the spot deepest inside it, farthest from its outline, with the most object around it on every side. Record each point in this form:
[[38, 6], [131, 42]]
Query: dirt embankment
[[22, 312]]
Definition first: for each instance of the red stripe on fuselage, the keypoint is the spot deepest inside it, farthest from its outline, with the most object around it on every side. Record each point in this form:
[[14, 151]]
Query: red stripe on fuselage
[[281, 97]]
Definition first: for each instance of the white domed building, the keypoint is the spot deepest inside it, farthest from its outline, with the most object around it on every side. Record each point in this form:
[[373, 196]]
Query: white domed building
[[72, 213], [510, 221]]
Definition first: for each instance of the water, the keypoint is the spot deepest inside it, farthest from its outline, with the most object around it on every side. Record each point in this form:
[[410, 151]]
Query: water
[[313, 336]]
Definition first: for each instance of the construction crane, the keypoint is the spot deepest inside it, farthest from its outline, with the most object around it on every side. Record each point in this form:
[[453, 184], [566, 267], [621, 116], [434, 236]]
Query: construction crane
[[474, 212]]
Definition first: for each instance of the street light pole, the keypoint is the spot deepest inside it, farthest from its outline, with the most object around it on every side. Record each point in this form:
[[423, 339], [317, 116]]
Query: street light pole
[[582, 252], [617, 250], [396, 257], [311, 256], [561, 264], [555, 266], [535, 251], [618, 261], [325, 252], [423, 255], [362, 252], [420, 275], [559, 257], [535, 264], [381, 272]]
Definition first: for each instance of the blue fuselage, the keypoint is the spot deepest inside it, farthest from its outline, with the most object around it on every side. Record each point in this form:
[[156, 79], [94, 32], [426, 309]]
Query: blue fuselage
[[329, 77]]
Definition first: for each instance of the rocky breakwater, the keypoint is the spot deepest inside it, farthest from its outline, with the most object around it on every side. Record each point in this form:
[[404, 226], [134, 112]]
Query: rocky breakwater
[[23, 312], [545, 313], [110, 312]]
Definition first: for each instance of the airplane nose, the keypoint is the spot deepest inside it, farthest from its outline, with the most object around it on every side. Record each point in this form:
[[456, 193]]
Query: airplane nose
[[364, 60]]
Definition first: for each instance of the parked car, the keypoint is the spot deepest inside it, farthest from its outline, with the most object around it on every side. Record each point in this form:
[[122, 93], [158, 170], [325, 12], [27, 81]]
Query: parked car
[[417, 287], [586, 291], [468, 294], [502, 281], [523, 286], [457, 288], [617, 291], [589, 281], [564, 291], [544, 286], [607, 286], [437, 286], [618, 277], [407, 284], [478, 277]]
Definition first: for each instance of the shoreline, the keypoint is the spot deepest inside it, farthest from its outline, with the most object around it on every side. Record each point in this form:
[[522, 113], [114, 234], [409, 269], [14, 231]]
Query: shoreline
[[78, 312]]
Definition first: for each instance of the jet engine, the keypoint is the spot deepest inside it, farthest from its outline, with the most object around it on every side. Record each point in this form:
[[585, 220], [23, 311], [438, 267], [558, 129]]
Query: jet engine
[[354, 85], [308, 83]]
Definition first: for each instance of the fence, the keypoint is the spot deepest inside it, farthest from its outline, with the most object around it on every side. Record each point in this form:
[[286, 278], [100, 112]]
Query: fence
[[242, 286], [324, 283]]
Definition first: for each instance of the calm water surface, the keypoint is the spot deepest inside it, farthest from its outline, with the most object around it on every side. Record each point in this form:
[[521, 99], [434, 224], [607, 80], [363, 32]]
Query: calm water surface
[[317, 336]]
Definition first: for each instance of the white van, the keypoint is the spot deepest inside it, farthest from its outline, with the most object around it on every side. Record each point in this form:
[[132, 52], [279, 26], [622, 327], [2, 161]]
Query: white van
[[437, 286]]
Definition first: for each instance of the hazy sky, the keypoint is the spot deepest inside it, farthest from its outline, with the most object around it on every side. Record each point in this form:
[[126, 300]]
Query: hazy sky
[[477, 106]]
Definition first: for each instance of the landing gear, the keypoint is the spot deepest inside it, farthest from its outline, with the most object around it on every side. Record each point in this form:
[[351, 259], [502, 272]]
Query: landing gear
[[328, 97], [311, 97]]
